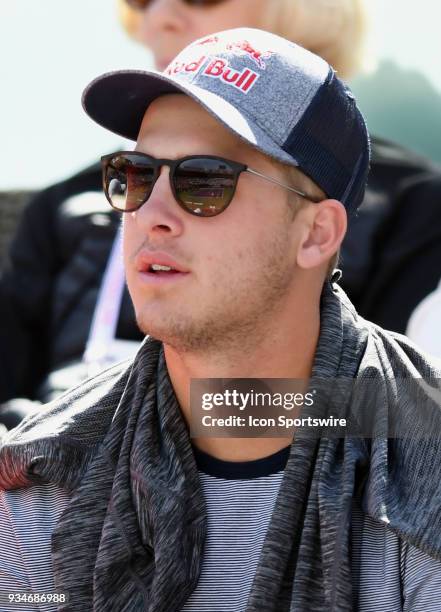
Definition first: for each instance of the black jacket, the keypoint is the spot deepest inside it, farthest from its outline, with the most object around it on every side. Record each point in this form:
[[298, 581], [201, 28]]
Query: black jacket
[[50, 285], [391, 259]]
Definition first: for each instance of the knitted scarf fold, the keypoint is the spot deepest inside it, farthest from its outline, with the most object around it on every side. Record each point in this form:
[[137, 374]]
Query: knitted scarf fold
[[133, 535]]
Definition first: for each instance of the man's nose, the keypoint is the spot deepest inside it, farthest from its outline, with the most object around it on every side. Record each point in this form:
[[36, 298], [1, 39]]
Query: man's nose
[[160, 216], [158, 17]]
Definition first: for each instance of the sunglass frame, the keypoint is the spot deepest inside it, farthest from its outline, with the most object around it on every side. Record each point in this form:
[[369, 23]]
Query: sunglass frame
[[236, 167]]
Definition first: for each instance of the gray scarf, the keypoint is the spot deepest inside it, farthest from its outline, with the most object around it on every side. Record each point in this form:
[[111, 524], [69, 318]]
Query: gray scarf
[[133, 534]]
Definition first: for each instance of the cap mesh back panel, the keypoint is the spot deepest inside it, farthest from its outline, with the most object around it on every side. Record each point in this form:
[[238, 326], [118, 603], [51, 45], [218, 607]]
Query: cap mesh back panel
[[331, 144]]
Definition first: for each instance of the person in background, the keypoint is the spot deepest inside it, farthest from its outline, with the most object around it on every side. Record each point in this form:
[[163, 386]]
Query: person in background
[[424, 326], [64, 307]]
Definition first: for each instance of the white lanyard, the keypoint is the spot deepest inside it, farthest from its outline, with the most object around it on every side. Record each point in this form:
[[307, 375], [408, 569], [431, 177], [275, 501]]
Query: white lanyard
[[107, 309]]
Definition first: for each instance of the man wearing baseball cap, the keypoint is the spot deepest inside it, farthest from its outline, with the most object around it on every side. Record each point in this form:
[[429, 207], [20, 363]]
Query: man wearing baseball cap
[[250, 156]]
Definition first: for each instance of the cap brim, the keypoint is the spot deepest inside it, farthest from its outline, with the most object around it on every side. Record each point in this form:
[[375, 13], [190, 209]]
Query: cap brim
[[118, 101]]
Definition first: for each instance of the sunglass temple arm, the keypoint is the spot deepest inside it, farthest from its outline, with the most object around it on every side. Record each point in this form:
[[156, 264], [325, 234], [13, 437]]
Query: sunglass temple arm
[[276, 182]]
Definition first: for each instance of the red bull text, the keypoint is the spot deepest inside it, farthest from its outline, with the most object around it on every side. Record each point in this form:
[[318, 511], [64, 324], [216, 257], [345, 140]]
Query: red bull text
[[217, 68]]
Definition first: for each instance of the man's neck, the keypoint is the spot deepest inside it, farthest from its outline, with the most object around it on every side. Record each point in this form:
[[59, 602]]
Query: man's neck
[[282, 352]]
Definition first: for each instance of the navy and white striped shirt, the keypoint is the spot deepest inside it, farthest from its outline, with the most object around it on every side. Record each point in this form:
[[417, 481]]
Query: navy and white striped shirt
[[388, 574]]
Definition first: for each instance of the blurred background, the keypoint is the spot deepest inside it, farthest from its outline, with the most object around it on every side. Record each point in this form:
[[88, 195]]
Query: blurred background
[[52, 48]]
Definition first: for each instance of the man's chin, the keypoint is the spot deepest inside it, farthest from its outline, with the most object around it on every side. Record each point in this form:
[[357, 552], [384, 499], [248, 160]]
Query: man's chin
[[178, 333], [165, 330]]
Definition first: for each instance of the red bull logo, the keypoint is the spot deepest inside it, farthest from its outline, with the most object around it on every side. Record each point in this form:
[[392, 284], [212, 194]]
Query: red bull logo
[[243, 47], [216, 68]]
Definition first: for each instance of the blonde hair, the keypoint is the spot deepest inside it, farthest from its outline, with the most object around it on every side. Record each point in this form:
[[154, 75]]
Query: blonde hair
[[333, 29], [129, 17]]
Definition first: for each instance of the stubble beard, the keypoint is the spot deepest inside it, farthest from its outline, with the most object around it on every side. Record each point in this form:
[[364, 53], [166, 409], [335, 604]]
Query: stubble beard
[[237, 316]]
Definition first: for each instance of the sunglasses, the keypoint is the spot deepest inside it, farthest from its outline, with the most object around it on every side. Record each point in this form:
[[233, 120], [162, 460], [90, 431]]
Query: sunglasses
[[202, 185], [140, 5]]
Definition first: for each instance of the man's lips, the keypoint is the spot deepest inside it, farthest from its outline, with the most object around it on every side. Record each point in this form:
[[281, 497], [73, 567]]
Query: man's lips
[[147, 263]]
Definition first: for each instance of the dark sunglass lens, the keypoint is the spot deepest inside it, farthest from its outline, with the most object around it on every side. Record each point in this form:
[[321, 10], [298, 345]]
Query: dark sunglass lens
[[138, 5], [129, 181], [204, 186]]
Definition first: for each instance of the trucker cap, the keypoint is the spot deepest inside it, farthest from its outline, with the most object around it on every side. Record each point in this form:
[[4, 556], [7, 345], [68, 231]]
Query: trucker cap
[[282, 99]]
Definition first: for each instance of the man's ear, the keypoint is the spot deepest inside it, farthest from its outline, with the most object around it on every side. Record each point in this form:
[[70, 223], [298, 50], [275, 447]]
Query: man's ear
[[323, 233]]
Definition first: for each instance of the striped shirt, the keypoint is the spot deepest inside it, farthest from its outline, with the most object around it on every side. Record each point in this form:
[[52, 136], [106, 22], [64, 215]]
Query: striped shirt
[[388, 574]]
